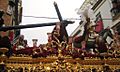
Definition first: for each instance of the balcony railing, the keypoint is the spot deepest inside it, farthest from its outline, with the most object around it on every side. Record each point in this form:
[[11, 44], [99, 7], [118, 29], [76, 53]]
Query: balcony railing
[[114, 1], [115, 11]]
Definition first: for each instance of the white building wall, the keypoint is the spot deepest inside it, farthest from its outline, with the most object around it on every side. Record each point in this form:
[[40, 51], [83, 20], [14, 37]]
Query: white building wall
[[104, 9]]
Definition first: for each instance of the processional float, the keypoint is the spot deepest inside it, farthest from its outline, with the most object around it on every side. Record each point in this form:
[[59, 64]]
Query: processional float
[[59, 63]]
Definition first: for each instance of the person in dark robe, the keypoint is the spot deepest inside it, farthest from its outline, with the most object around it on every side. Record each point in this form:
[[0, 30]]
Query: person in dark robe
[[60, 32], [101, 39], [106, 32], [1, 19], [5, 42]]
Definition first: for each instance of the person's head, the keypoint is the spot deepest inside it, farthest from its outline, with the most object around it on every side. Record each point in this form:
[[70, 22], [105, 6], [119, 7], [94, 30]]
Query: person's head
[[21, 37]]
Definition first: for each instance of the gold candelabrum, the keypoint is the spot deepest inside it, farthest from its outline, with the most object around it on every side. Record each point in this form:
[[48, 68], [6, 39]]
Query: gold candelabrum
[[60, 46], [3, 57], [61, 64]]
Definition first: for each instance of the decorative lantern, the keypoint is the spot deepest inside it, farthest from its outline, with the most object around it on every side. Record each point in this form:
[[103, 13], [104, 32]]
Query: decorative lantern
[[49, 37], [34, 42]]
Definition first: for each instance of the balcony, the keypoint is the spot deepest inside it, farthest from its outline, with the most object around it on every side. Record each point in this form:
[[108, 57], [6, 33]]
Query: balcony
[[12, 3], [115, 12], [114, 1]]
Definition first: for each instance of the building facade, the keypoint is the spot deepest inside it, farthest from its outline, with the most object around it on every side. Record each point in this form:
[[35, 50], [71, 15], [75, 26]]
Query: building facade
[[115, 11], [3, 7], [106, 13], [12, 15], [101, 10]]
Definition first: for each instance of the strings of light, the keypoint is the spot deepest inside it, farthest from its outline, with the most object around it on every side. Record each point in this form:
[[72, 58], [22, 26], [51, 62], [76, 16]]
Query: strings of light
[[57, 18]]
